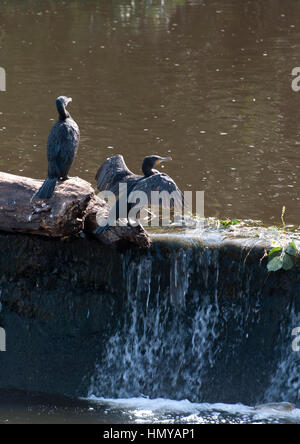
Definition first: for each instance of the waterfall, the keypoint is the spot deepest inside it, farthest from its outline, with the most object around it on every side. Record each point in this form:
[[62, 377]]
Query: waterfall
[[285, 381], [189, 331], [160, 339], [186, 319]]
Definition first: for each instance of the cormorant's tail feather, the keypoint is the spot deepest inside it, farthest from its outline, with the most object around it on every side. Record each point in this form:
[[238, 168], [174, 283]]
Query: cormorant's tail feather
[[101, 230], [46, 190]]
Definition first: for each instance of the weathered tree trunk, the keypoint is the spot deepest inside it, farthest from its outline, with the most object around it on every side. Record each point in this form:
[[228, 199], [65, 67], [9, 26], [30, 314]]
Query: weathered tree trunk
[[122, 232], [71, 209]]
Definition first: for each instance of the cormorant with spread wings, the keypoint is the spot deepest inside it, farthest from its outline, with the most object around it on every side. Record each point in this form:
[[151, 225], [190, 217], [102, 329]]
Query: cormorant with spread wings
[[114, 172]]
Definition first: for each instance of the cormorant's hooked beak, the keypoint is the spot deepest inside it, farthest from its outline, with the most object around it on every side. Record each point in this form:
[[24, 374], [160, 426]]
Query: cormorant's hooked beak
[[163, 159], [69, 99]]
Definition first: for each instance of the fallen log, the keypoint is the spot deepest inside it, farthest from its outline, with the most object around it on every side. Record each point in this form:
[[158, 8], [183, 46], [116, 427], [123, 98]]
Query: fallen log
[[71, 210], [122, 232]]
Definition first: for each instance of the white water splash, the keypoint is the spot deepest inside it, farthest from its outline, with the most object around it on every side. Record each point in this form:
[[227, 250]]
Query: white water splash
[[175, 333], [161, 410], [149, 352]]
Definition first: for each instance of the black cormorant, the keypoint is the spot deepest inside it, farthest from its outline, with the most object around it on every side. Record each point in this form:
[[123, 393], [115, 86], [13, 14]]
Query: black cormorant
[[114, 172], [62, 147]]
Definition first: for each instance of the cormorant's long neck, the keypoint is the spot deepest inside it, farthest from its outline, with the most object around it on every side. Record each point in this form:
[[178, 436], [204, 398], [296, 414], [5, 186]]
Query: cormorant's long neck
[[147, 170], [63, 114]]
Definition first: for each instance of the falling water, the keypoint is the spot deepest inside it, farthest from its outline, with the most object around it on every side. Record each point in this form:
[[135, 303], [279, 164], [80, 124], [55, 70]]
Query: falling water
[[160, 339], [285, 381], [181, 336]]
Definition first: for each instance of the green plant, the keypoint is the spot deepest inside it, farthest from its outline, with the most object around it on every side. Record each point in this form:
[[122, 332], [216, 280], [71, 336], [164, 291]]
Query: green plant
[[226, 223], [282, 257]]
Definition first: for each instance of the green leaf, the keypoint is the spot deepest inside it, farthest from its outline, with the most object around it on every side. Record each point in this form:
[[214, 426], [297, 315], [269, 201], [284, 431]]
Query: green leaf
[[287, 262], [274, 252], [275, 264], [292, 249], [226, 223]]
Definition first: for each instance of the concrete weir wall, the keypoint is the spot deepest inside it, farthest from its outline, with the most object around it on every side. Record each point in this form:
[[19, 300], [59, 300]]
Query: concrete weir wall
[[188, 319]]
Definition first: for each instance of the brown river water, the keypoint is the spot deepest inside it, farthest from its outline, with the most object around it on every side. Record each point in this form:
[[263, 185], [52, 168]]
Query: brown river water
[[207, 82]]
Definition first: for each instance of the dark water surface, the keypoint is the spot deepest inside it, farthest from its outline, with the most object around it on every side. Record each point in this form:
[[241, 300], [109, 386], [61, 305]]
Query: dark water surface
[[205, 81]]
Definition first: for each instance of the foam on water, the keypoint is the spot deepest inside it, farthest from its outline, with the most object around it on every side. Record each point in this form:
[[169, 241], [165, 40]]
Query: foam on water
[[162, 410]]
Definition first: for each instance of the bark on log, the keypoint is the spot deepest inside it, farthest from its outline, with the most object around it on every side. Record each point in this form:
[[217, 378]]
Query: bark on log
[[122, 232], [71, 209]]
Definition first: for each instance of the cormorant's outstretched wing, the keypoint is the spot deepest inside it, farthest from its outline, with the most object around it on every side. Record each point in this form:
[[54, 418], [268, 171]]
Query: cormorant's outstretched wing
[[168, 196], [113, 171]]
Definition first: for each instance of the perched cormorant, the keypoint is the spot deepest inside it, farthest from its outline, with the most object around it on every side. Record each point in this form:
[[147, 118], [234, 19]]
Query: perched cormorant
[[62, 147], [114, 172]]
